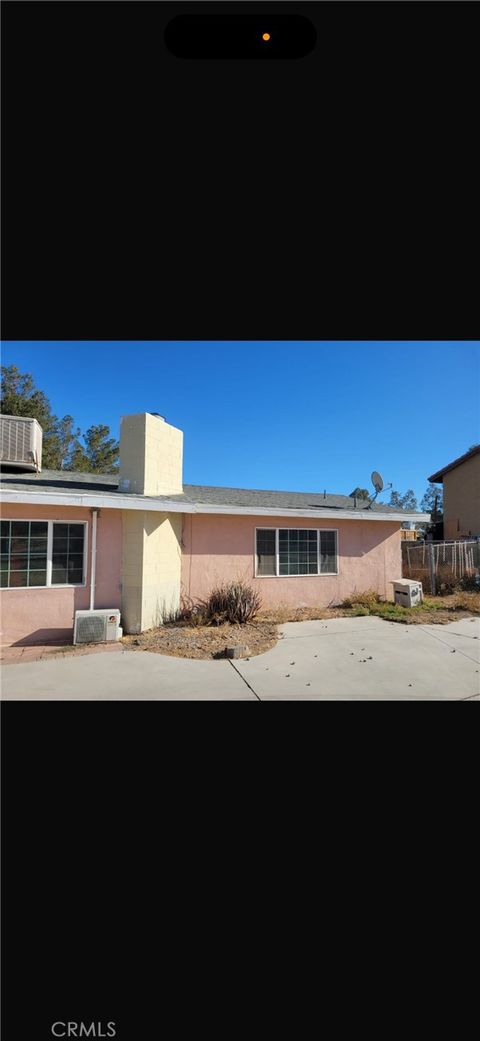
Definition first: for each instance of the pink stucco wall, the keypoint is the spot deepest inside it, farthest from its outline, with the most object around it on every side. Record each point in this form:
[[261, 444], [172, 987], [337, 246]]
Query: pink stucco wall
[[43, 615], [221, 548]]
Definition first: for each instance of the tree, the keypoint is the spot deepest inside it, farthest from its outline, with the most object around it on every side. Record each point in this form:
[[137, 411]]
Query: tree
[[20, 397], [67, 443], [100, 454], [360, 493], [432, 501], [61, 447], [404, 502]]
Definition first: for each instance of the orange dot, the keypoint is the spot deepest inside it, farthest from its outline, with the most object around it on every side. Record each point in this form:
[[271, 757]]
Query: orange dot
[[266, 36]]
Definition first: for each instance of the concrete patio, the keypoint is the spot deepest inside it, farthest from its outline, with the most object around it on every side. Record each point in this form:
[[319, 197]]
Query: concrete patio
[[341, 659]]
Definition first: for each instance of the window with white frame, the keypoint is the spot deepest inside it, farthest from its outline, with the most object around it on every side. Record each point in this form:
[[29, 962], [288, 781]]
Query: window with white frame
[[41, 554], [296, 551]]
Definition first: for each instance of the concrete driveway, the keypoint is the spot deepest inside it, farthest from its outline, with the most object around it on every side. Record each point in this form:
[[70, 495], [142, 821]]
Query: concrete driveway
[[340, 659]]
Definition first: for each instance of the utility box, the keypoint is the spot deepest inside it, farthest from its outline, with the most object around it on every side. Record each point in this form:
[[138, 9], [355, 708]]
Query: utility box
[[20, 443], [97, 626], [407, 593]]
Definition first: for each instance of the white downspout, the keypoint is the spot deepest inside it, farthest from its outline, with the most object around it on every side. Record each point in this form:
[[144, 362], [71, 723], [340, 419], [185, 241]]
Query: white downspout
[[94, 558]]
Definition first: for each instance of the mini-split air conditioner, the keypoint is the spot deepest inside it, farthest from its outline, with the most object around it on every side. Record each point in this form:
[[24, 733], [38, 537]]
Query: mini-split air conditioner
[[21, 443], [97, 626]]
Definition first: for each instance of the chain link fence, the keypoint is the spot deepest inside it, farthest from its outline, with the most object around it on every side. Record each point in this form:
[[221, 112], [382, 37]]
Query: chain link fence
[[442, 567]]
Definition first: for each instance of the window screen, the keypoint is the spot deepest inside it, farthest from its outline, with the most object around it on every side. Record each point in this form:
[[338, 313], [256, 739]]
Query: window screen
[[328, 551], [67, 554], [266, 551]]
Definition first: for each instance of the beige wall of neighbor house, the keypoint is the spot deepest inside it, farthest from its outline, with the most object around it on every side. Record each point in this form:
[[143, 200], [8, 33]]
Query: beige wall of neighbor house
[[461, 499], [151, 453], [151, 568]]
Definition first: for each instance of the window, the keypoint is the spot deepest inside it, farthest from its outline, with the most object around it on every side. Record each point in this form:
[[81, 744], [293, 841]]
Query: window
[[41, 553], [266, 551], [67, 554], [328, 552], [298, 551], [295, 551]]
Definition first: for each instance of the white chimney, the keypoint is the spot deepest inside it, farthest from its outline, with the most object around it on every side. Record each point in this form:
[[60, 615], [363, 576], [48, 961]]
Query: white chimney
[[151, 454]]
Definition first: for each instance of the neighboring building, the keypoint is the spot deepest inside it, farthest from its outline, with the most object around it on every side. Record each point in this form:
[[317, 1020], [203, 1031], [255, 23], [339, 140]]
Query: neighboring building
[[154, 541], [461, 495]]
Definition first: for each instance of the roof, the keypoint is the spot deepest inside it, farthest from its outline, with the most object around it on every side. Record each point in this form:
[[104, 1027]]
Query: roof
[[64, 481], [437, 478], [272, 499]]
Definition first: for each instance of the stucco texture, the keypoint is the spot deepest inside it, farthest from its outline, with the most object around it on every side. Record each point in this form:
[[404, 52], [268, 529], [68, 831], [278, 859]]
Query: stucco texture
[[222, 548], [45, 615]]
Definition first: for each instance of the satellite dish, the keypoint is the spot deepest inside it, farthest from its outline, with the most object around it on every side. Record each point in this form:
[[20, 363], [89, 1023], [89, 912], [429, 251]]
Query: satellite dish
[[377, 481]]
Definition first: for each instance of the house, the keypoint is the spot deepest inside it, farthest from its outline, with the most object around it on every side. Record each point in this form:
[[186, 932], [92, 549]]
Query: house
[[461, 495], [142, 541]]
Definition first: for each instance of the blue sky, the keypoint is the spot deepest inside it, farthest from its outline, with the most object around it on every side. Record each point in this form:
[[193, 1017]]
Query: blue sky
[[303, 416]]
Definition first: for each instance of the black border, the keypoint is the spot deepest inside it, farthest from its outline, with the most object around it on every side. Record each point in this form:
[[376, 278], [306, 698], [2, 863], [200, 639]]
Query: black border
[[150, 856]]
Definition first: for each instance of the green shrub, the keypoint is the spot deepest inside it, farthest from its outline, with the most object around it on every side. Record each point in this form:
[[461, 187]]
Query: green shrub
[[233, 602]]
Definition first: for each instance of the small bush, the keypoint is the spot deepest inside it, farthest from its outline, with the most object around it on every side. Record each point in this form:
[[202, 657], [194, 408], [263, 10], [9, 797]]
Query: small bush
[[469, 584], [233, 602], [368, 599], [193, 612]]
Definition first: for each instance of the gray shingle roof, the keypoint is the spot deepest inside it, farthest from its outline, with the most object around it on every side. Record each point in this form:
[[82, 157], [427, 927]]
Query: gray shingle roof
[[58, 480], [272, 499], [64, 480]]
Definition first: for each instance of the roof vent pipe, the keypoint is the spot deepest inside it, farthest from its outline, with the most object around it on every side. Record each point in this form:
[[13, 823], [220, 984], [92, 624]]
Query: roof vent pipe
[[325, 493]]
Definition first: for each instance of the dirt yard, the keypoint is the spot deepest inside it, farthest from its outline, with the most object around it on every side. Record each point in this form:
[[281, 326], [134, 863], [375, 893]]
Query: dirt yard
[[205, 641]]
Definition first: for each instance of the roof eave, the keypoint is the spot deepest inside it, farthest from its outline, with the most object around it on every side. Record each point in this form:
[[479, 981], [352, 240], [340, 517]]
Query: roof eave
[[116, 501], [437, 478]]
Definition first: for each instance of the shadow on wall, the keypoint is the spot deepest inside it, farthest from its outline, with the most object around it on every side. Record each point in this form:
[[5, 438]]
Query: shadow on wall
[[164, 613], [45, 636], [221, 537]]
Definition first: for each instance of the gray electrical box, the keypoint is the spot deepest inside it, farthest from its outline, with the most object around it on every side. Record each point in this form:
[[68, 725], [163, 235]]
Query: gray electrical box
[[407, 593]]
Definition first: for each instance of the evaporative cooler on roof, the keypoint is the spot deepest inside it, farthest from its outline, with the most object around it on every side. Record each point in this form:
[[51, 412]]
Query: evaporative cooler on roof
[[20, 443]]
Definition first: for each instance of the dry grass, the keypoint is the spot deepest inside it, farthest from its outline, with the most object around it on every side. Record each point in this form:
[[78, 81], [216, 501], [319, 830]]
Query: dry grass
[[369, 598], [205, 641], [440, 609], [446, 582], [460, 601], [280, 615]]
